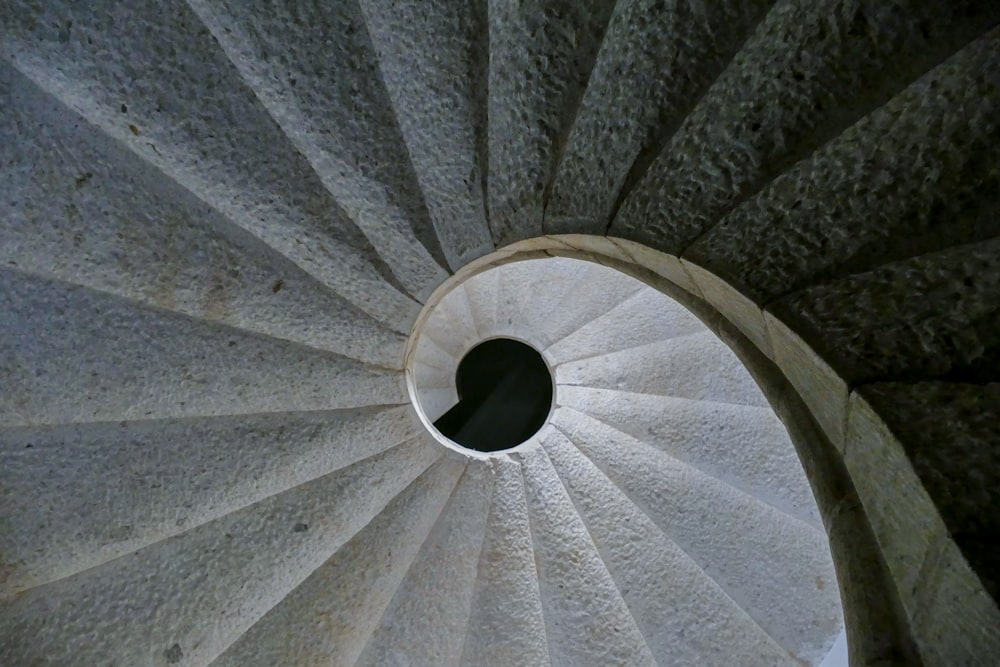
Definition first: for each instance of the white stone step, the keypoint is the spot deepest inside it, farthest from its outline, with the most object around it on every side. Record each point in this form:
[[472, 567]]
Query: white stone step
[[541, 56], [681, 611], [328, 98], [481, 292], [195, 594], [79, 355], [582, 303], [425, 624], [135, 483], [655, 61], [743, 446], [114, 223], [586, 620], [434, 60], [506, 627], [773, 566], [211, 134], [646, 316], [343, 600], [697, 366]]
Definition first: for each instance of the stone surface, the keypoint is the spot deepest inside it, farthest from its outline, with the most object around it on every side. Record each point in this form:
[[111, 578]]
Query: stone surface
[[917, 174], [697, 366], [136, 483], [506, 627], [379, 556], [205, 588], [655, 62], [207, 131], [541, 55], [434, 64], [787, 590], [681, 611], [810, 70], [703, 435], [137, 362], [330, 102], [595, 627]]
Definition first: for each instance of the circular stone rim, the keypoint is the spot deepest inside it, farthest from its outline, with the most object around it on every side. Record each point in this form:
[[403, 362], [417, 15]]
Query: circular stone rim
[[409, 357]]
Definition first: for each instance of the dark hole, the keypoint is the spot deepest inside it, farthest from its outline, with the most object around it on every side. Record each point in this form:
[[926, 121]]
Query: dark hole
[[504, 396]]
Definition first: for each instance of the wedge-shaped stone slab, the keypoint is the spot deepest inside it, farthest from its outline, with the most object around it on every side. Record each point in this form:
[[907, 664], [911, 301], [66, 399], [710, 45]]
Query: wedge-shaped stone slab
[[195, 594], [207, 131], [746, 447], [136, 483], [681, 610], [114, 223], [506, 627], [773, 566], [346, 596], [130, 361], [586, 619], [425, 624], [697, 366]]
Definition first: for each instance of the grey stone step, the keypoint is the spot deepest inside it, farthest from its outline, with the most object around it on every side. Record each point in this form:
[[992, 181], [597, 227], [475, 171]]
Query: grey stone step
[[586, 620], [135, 483], [434, 61], [207, 131], [112, 222], [655, 62], [810, 71], [195, 594], [776, 568], [365, 573], [682, 611], [541, 56], [425, 624], [506, 627], [131, 361], [328, 98], [924, 166]]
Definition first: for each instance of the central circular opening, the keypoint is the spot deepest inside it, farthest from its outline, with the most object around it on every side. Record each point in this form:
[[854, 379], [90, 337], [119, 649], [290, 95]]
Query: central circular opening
[[504, 396]]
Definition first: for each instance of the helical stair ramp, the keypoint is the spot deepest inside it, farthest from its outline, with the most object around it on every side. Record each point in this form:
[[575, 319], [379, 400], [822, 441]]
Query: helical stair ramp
[[249, 250]]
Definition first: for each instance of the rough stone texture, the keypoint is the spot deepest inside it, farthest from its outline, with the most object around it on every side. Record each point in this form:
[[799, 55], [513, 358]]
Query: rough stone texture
[[327, 96], [697, 366], [703, 434], [136, 362], [948, 433], [541, 56], [347, 595], [136, 483], [434, 62], [644, 317], [918, 174], [810, 70], [785, 589], [681, 611], [203, 589], [733, 305], [930, 316], [188, 113], [425, 624], [589, 628], [506, 627], [87, 211], [655, 62]]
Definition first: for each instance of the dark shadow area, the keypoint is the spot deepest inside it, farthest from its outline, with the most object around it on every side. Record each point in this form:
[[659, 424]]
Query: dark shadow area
[[504, 396]]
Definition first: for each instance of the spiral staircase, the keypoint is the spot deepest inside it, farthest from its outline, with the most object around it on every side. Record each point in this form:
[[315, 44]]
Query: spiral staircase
[[244, 246]]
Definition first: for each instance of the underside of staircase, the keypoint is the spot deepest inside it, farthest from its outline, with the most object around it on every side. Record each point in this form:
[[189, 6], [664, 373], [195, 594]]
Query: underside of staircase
[[245, 245]]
